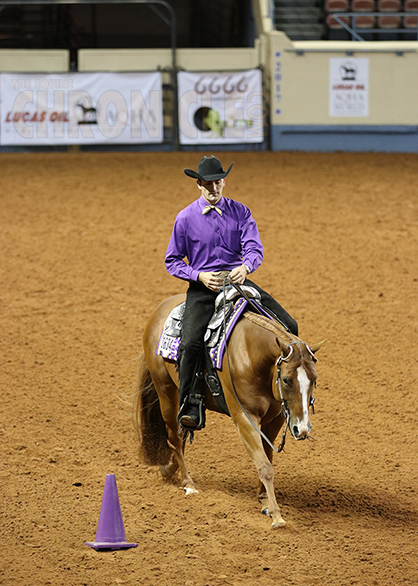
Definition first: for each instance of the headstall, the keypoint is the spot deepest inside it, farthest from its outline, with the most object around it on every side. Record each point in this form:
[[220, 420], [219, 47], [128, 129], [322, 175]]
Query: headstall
[[284, 405]]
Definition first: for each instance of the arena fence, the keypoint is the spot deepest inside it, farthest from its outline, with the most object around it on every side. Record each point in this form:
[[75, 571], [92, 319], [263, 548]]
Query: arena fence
[[344, 95], [316, 95]]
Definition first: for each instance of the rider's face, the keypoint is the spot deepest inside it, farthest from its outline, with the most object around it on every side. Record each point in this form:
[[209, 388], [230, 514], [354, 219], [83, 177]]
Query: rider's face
[[211, 190]]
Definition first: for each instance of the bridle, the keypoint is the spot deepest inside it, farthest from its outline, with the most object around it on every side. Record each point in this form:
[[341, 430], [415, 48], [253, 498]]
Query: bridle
[[284, 406]]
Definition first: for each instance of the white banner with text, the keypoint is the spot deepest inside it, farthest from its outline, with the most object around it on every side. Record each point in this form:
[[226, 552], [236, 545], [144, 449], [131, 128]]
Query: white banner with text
[[348, 87], [221, 108], [81, 108]]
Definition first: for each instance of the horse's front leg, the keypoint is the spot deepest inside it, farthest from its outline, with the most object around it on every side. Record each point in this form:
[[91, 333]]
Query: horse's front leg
[[254, 446], [270, 431]]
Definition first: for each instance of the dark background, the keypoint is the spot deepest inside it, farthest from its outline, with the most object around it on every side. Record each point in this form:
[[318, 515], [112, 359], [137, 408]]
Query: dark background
[[200, 24]]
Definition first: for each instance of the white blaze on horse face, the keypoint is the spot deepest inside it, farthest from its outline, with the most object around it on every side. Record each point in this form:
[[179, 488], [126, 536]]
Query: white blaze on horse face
[[304, 384]]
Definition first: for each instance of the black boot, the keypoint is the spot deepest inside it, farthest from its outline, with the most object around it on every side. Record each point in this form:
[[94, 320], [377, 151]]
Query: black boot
[[191, 416]]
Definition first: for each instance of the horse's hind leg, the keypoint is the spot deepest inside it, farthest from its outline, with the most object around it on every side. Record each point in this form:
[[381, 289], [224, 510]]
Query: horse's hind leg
[[168, 470], [176, 442], [253, 444], [168, 398]]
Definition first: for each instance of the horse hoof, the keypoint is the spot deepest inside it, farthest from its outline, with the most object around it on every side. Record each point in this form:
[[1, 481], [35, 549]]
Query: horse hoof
[[265, 512], [166, 473], [280, 523], [189, 490]]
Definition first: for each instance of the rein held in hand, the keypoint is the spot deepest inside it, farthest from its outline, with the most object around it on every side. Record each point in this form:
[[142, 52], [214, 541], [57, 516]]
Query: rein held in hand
[[285, 410], [284, 406]]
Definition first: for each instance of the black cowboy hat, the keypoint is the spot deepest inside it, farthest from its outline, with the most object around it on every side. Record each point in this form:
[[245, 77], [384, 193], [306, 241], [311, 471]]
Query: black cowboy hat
[[209, 169]]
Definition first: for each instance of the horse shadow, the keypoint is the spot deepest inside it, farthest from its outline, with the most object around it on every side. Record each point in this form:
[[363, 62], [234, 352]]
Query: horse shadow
[[328, 497]]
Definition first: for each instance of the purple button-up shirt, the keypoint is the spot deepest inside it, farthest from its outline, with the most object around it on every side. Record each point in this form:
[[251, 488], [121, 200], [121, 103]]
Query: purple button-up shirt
[[212, 242]]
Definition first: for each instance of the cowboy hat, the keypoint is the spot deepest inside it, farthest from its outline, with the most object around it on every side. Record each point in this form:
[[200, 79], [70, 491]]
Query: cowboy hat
[[209, 169]]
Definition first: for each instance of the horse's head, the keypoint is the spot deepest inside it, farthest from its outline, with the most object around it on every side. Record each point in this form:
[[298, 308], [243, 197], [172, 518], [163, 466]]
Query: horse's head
[[294, 384]]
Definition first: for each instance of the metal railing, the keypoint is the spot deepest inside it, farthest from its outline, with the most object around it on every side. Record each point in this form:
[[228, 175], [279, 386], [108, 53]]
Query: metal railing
[[353, 29]]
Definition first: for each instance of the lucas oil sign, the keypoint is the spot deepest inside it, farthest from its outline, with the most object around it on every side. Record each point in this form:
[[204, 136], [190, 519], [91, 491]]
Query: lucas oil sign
[[348, 87], [81, 108]]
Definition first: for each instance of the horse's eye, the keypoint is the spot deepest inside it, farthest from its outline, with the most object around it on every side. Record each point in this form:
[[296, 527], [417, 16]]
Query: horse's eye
[[287, 381]]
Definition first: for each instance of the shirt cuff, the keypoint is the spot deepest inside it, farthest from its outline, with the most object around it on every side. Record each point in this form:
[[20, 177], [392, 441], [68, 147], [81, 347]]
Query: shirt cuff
[[194, 275]]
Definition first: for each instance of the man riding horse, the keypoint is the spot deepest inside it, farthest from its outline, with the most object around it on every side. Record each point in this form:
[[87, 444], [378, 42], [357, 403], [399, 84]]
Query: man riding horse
[[216, 235]]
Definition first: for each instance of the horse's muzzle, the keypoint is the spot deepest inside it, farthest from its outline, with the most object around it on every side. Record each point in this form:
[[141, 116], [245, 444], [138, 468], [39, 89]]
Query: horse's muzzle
[[301, 432]]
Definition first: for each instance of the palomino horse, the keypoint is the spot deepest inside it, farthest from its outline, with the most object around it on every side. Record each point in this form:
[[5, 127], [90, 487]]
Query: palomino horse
[[269, 377]]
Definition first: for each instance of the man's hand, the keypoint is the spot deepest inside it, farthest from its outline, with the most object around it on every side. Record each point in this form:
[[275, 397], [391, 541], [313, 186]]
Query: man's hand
[[212, 280], [238, 275]]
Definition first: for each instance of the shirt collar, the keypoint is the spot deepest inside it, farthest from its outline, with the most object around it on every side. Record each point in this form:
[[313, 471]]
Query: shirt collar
[[203, 203]]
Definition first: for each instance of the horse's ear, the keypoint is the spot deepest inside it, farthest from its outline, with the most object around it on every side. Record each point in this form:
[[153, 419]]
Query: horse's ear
[[315, 347], [284, 347]]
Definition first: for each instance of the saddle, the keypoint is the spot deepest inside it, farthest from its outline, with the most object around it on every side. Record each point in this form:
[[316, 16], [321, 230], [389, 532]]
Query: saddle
[[229, 307]]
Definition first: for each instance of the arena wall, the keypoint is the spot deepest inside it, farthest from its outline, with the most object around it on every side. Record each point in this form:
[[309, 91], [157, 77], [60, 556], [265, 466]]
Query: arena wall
[[300, 96], [34, 60], [152, 59], [297, 78]]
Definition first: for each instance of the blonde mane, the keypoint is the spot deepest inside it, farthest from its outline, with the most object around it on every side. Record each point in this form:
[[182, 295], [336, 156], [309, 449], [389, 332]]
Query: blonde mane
[[272, 326]]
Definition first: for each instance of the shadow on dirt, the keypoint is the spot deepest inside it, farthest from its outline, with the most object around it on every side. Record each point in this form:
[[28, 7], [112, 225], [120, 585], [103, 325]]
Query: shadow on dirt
[[326, 497]]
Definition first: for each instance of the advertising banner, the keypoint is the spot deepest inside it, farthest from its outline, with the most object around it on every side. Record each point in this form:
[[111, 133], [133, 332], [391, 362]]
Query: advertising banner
[[81, 108], [221, 108], [348, 87]]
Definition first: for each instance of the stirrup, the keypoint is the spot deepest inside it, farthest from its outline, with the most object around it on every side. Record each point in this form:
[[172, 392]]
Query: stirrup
[[184, 433], [197, 401]]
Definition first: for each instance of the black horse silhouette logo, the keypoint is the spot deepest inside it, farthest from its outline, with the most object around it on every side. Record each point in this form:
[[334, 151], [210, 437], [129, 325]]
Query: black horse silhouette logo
[[348, 71], [89, 114]]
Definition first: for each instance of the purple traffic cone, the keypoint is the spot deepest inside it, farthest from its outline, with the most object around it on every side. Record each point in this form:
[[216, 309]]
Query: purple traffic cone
[[110, 532]]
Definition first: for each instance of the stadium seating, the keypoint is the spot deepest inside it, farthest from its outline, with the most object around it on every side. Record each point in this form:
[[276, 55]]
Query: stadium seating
[[389, 22], [388, 5], [410, 21], [364, 21], [335, 30], [301, 20], [362, 6], [336, 5]]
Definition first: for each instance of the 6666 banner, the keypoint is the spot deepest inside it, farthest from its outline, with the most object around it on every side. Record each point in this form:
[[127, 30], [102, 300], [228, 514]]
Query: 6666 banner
[[221, 108], [81, 108]]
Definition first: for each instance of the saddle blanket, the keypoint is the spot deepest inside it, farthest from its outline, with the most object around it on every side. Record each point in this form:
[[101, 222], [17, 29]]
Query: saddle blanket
[[168, 345]]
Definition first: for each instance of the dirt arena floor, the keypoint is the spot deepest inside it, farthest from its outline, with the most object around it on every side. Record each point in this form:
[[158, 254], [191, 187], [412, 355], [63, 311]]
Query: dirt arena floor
[[83, 238]]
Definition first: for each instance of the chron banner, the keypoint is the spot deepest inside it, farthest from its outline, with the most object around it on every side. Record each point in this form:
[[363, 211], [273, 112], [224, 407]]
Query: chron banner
[[221, 108], [81, 108]]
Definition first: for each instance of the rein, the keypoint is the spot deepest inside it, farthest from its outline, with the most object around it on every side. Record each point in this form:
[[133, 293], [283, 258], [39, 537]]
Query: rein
[[263, 435], [265, 311], [284, 406]]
